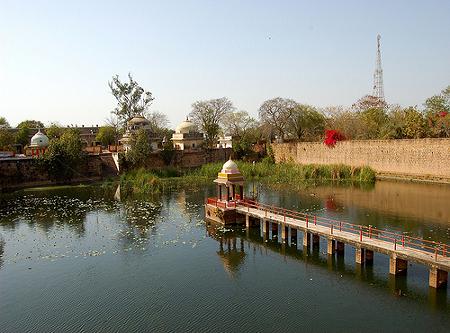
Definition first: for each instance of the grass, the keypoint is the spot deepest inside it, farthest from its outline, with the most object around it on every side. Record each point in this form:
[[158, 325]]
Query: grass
[[154, 181]]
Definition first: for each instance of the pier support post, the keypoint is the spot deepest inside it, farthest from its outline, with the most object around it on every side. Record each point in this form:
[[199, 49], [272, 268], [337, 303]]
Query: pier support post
[[331, 246], [438, 277], [264, 226], [283, 232], [369, 256], [315, 240], [289, 235], [359, 255], [306, 239], [397, 265], [340, 246], [247, 221]]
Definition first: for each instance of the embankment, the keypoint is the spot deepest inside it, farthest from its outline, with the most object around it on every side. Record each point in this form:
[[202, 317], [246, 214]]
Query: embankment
[[412, 159]]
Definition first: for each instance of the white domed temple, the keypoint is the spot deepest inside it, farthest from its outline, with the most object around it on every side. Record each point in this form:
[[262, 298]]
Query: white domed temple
[[38, 144], [187, 137], [230, 191]]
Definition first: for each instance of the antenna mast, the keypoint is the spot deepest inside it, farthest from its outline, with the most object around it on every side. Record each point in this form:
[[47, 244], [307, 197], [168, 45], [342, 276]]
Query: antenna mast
[[378, 89]]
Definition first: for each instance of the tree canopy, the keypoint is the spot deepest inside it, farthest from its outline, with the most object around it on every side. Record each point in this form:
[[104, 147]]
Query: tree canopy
[[31, 124], [275, 114], [209, 115], [132, 100]]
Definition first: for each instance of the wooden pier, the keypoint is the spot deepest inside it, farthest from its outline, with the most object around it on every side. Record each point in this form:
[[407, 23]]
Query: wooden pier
[[365, 239]]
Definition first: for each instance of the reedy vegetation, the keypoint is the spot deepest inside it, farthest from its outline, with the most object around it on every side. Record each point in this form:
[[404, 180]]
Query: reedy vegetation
[[150, 181]]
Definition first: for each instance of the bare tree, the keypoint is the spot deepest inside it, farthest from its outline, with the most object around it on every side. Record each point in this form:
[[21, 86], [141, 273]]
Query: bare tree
[[238, 123], [208, 116], [275, 114]]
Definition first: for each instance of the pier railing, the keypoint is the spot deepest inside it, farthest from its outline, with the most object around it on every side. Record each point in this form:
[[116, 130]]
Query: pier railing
[[398, 240]]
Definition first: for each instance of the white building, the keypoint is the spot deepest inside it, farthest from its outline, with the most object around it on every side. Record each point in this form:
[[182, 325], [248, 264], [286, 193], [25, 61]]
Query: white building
[[187, 137]]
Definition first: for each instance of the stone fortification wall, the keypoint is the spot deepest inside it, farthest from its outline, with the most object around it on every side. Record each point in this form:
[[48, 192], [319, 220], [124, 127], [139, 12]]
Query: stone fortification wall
[[416, 158], [23, 172]]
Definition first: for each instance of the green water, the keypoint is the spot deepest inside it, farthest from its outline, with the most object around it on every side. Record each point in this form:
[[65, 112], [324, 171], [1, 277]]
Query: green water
[[78, 260]]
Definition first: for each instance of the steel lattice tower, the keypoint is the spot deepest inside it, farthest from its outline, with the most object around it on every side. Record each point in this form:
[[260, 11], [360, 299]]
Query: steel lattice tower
[[378, 89]]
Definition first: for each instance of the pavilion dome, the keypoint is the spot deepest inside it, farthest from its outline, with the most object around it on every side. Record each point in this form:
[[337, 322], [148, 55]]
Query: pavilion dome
[[138, 121], [230, 167], [186, 126], [39, 140]]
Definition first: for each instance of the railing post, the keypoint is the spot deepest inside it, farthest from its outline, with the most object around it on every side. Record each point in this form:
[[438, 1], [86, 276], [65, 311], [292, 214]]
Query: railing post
[[340, 226], [435, 253], [315, 220], [395, 244], [360, 233], [285, 215], [306, 221], [403, 240], [331, 228], [266, 211], [370, 231]]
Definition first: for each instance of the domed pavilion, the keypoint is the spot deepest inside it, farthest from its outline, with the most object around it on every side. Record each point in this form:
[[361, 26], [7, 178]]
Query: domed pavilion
[[187, 137], [38, 144], [230, 190]]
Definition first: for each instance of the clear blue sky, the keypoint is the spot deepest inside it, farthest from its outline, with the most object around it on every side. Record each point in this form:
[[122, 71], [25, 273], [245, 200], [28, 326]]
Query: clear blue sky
[[56, 57]]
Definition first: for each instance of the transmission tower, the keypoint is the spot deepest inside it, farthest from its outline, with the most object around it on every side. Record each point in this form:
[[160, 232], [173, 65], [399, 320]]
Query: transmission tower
[[378, 89]]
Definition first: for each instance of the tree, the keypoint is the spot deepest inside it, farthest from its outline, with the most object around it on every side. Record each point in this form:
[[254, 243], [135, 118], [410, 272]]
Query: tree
[[4, 123], [106, 135], [132, 100], [158, 124], [369, 102], [6, 139], [208, 115], [22, 135], [404, 123], [374, 119], [306, 122], [437, 110], [31, 124], [64, 155], [275, 113], [344, 120], [238, 123], [54, 131], [140, 148]]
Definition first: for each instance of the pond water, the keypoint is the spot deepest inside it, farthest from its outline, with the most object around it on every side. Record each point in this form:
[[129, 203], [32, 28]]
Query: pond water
[[78, 260]]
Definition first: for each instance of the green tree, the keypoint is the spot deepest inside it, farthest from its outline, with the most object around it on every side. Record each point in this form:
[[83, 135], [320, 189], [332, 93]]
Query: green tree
[[54, 131], [106, 135], [209, 115], [140, 148], [31, 124], [437, 110], [22, 135], [6, 139], [306, 122], [132, 100], [374, 119], [4, 123], [64, 155], [275, 113]]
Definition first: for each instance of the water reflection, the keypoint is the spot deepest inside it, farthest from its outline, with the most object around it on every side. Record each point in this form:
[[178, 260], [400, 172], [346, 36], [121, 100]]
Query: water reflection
[[230, 253], [235, 245]]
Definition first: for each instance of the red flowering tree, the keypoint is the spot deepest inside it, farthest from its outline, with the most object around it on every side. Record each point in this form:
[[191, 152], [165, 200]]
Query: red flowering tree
[[332, 136]]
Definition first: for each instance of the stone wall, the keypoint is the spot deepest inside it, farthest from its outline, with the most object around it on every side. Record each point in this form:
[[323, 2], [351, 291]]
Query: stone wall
[[426, 159], [23, 172]]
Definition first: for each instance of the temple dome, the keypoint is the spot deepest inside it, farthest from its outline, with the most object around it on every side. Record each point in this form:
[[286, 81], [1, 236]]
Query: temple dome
[[230, 167], [39, 140], [186, 126], [139, 121]]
